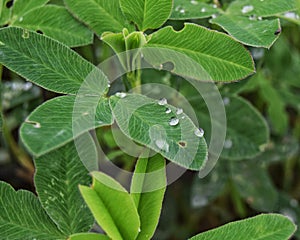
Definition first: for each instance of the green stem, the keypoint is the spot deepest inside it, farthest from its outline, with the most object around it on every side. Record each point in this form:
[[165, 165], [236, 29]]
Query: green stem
[[237, 200]]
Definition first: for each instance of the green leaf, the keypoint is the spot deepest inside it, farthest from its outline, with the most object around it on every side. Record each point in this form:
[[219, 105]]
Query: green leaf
[[147, 189], [209, 55], [147, 14], [21, 7], [264, 8], [205, 190], [57, 177], [18, 9], [247, 131], [261, 194], [55, 120], [193, 9], [88, 236], [22, 217], [60, 70], [250, 31], [112, 207], [264, 226], [58, 23], [172, 135], [100, 15]]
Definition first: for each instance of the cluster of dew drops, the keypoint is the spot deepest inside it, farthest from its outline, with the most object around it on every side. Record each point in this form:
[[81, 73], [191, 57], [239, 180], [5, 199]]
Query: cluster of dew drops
[[174, 121], [182, 10]]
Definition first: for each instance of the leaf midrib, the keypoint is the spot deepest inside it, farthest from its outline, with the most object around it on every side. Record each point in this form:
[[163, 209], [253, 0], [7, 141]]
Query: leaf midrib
[[199, 53]]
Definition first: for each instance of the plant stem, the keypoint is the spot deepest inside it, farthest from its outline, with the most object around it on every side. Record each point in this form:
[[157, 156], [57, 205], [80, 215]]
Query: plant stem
[[237, 200]]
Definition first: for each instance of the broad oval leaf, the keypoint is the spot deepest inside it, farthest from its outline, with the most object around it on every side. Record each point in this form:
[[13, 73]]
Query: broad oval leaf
[[9, 14], [265, 8], [194, 9], [147, 14], [60, 70], [23, 217], [147, 190], [89, 236], [56, 22], [171, 134], [247, 131], [264, 226], [254, 184], [112, 207], [57, 177], [100, 15], [250, 31], [203, 54], [53, 122]]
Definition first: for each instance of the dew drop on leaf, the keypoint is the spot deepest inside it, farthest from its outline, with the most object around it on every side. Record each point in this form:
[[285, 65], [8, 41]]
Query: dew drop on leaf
[[37, 125], [199, 132], [168, 110], [121, 94], [247, 8], [203, 9], [194, 2], [179, 111], [226, 101], [163, 102], [174, 121], [199, 201], [228, 144]]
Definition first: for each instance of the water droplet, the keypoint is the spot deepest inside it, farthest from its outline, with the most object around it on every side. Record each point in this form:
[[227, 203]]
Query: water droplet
[[168, 110], [21, 19], [27, 86], [85, 114], [199, 132], [257, 53], [226, 101], [183, 117], [25, 34], [259, 18], [247, 8], [289, 213], [163, 102], [179, 111], [203, 9], [228, 144], [139, 230], [199, 201], [182, 11], [37, 125], [294, 203], [194, 2], [121, 94], [214, 6], [214, 15], [291, 15], [174, 121]]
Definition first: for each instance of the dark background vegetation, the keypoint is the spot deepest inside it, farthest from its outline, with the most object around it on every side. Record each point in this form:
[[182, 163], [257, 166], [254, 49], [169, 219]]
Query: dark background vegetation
[[234, 189]]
